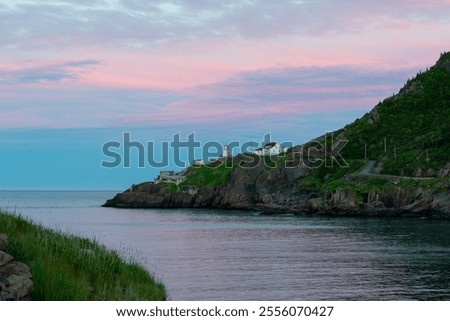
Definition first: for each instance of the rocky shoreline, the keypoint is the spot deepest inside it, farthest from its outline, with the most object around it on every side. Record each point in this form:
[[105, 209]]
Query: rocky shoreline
[[240, 194], [427, 208]]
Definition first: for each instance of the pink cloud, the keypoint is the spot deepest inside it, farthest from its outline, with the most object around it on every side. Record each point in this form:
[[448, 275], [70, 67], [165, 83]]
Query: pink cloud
[[278, 93], [250, 60]]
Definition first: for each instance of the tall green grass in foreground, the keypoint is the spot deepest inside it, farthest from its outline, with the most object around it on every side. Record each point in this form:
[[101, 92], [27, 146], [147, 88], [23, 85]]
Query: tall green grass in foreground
[[74, 268]]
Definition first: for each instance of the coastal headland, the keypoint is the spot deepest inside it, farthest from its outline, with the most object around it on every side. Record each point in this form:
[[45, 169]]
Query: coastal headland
[[393, 161]]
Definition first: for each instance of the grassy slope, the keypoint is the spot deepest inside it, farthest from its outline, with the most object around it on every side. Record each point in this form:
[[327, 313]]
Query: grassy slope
[[416, 125], [202, 176], [208, 176], [73, 268]]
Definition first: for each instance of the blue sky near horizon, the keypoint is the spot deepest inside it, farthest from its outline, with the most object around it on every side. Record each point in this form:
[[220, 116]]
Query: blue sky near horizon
[[77, 74], [70, 159]]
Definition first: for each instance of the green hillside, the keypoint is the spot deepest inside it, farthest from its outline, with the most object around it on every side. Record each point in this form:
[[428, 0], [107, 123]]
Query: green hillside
[[406, 137], [410, 130]]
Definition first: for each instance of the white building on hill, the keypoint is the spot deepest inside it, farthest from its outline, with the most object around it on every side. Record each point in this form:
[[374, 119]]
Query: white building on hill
[[198, 162], [269, 149], [170, 177], [226, 152]]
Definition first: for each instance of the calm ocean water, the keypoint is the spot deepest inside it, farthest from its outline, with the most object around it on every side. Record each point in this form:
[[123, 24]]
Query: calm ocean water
[[218, 255]]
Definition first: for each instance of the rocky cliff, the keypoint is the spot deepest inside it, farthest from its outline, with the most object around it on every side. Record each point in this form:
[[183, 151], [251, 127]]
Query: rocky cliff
[[272, 192]]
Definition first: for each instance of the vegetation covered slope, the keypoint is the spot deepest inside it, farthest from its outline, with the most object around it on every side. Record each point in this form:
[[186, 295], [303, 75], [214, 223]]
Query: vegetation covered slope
[[73, 268], [409, 132], [406, 135]]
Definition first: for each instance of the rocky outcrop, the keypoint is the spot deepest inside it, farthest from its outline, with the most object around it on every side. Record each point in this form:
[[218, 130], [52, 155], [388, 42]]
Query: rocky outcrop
[[258, 187], [15, 277], [272, 191]]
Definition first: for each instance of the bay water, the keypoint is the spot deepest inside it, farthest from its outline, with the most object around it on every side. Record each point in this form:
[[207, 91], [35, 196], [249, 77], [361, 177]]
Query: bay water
[[238, 255]]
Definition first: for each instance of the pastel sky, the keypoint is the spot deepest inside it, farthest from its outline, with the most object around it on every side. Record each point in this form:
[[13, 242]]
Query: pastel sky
[[76, 74]]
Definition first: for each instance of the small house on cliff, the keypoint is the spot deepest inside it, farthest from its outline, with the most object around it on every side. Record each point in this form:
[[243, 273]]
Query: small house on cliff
[[170, 177], [269, 149]]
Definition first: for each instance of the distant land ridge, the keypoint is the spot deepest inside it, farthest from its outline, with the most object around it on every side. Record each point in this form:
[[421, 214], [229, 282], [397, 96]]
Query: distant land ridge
[[398, 157]]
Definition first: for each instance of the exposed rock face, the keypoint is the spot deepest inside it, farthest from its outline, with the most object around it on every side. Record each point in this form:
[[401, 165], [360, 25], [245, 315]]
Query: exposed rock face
[[15, 277], [258, 187], [271, 191]]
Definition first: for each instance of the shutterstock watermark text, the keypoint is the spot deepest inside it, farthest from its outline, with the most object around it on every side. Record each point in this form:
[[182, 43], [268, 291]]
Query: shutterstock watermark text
[[184, 151]]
